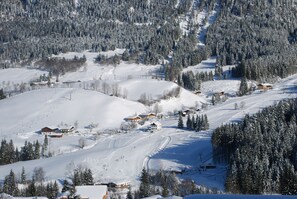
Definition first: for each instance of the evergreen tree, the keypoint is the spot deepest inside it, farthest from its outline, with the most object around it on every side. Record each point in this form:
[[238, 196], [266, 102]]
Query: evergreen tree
[[31, 190], [189, 122], [2, 96], [10, 184], [165, 191], [129, 194], [44, 146], [180, 122], [23, 176], [36, 150], [88, 177], [144, 189], [243, 88]]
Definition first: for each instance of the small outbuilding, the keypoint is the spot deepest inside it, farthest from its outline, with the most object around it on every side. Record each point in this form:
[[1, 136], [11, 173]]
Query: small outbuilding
[[155, 126]]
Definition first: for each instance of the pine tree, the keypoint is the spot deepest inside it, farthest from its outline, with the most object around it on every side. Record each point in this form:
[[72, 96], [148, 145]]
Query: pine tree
[[189, 122], [129, 194], [44, 146], [243, 88], [180, 122], [165, 191], [10, 185], [36, 150], [88, 177], [66, 186], [144, 188], [31, 190], [23, 176]]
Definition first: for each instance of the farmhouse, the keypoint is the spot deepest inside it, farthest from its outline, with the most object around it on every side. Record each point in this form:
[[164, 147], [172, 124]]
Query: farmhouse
[[52, 132], [133, 119], [147, 116], [264, 86], [92, 192]]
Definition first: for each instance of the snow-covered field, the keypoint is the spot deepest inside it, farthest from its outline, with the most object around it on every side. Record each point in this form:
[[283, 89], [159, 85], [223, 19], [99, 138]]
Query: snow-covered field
[[19, 75], [119, 157]]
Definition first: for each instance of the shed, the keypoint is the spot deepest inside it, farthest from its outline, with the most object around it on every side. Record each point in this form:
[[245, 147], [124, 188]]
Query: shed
[[155, 126]]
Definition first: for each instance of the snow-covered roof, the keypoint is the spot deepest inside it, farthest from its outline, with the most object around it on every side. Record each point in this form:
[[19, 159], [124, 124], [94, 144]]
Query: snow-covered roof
[[33, 197], [229, 196], [5, 196], [91, 192]]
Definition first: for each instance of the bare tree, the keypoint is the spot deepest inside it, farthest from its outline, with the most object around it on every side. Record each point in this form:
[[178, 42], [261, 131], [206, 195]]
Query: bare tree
[[242, 105], [235, 106], [125, 93], [82, 143], [38, 174], [105, 88], [157, 108]]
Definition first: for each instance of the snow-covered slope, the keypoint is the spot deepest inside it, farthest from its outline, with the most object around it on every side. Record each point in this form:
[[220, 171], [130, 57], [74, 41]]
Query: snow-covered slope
[[33, 110], [19, 75]]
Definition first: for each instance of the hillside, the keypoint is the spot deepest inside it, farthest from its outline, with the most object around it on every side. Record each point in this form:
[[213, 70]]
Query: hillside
[[126, 84]]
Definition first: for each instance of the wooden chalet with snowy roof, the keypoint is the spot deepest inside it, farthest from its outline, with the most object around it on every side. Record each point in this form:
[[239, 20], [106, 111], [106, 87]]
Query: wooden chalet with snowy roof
[[147, 116], [52, 132], [133, 119]]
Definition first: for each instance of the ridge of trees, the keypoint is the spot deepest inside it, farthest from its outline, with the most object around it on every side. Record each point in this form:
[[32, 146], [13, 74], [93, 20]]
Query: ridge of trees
[[239, 36], [260, 151]]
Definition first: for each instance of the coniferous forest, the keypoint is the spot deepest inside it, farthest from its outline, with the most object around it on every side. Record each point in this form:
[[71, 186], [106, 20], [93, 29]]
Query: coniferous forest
[[35, 29], [261, 151]]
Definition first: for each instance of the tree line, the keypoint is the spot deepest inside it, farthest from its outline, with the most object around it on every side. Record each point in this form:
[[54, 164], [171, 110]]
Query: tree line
[[30, 151]]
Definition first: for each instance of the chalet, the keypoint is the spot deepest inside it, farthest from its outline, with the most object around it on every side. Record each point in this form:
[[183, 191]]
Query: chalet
[[47, 130], [264, 86], [147, 116], [155, 126], [92, 192], [52, 132], [67, 130], [133, 119]]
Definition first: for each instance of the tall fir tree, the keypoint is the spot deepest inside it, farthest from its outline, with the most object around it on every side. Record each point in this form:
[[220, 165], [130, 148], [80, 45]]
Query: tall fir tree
[[144, 189], [180, 122]]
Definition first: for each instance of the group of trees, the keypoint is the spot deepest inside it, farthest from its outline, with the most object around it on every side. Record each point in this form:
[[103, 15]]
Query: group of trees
[[59, 66], [80, 176], [165, 184], [31, 187], [30, 151], [261, 151], [198, 123], [37, 186]]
